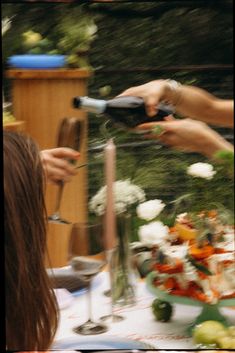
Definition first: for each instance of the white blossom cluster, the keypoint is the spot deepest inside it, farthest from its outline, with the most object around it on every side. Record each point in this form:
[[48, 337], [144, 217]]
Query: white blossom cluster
[[153, 233], [125, 195], [201, 170], [150, 209]]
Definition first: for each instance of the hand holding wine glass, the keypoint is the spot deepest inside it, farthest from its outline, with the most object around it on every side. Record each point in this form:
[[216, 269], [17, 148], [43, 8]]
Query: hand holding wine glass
[[69, 135], [87, 257]]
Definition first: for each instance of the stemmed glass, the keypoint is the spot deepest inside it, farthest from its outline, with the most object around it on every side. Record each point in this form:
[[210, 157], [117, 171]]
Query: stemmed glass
[[69, 135], [87, 257]]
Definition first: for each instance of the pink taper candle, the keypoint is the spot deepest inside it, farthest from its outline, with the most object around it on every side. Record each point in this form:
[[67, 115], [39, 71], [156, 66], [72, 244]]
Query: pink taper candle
[[110, 217]]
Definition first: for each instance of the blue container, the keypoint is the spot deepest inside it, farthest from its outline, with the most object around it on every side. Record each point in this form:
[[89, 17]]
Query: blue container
[[34, 61]]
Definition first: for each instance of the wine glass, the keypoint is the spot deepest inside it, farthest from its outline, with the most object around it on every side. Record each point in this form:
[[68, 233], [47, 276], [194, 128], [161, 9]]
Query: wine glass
[[87, 257], [69, 135]]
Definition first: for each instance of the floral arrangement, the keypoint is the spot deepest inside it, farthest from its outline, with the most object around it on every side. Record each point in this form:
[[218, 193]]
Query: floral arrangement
[[126, 195], [195, 257]]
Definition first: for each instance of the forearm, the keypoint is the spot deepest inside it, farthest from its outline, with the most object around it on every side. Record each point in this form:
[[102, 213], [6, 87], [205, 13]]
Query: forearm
[[199, 104]]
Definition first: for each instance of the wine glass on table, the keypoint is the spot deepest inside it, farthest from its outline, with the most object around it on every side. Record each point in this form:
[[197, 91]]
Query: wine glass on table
[[87, 258], [69, 135]]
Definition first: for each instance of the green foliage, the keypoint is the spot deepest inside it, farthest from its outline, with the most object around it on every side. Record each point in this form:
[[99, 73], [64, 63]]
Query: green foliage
[[70, 31], [225, 162]]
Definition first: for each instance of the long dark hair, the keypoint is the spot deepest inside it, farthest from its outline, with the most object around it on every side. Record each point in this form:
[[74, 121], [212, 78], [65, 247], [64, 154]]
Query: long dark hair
[[31, 309]]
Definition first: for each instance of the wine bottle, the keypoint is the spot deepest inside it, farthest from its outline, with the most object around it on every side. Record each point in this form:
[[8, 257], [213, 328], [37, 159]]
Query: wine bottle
[[126, 111]]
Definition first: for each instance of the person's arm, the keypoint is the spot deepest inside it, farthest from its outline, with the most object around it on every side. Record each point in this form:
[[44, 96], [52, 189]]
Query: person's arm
[[56, 163], [189, 101], [187, 135]]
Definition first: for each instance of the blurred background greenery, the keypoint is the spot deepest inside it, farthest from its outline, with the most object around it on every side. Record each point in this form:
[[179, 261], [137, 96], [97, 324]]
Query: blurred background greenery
[[127, 44]]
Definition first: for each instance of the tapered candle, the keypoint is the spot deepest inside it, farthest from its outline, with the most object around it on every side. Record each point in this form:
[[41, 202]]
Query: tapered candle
[[110, 217]]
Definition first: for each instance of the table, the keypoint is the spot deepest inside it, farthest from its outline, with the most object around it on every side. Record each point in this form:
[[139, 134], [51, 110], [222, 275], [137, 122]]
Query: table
[[139, 323]]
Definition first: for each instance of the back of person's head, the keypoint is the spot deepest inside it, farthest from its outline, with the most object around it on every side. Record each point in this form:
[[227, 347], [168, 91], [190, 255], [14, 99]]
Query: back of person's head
[[31, 310]]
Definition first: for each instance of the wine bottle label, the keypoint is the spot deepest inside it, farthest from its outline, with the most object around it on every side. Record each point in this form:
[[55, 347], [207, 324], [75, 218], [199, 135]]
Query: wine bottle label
[[93, 105]]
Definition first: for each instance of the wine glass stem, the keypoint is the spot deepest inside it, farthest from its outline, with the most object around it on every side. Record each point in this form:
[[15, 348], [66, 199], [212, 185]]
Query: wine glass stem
[[59, 197], [89, 301], [109, 256]]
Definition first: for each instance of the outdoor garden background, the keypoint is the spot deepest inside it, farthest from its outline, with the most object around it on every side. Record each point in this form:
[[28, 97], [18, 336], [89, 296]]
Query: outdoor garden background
[[135, 42]]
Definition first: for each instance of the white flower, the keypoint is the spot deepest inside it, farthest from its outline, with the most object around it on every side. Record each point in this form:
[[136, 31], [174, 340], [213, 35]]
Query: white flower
[[153, 233], [201, 170], [125, 195], [150, 209]]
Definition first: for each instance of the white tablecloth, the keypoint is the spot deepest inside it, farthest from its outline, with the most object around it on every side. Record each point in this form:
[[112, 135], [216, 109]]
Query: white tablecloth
[[139, 323]]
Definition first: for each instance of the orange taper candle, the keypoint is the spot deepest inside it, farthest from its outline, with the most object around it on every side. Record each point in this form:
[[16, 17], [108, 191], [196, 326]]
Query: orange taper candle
[[110, 217]]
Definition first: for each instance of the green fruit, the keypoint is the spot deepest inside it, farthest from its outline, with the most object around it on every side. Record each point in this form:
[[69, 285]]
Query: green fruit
[[232, 344], [231, 331], [162, 310], [208, 331], [224, 342]]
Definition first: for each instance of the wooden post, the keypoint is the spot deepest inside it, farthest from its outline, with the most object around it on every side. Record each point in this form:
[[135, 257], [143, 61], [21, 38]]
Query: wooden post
[[42, 98]]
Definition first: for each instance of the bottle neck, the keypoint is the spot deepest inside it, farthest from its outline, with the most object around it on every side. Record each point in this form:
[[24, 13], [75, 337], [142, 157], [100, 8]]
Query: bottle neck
[[92, 105]]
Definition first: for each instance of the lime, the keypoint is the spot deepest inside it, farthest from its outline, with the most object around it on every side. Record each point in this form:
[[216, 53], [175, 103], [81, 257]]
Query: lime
[[232, 343], [225, 342], [208, 332], [231, 330], [162, 310]]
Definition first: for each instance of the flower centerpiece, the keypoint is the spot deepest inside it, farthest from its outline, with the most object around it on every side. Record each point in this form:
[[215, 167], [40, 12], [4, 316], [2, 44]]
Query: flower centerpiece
[[126, 197], [195, 257]]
